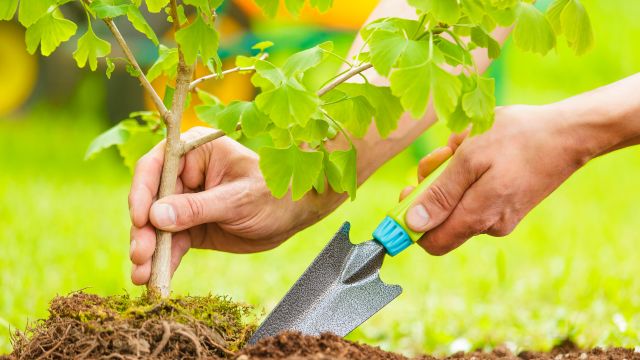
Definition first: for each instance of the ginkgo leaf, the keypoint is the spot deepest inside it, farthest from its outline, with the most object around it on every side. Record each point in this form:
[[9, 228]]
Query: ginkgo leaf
[[166, 64], [322, 5], [288, 104], [353, 112], [387, 107], [345, 163], [533, 31], [446, 11], [140, 23], [49, 32], [198, 37], [294, 6], [290, 167], [252, 120], [482, 39], [262, 45], [306, 59], [570, 17], [110, 68], [110, 8], [479, 104], [8, 9], [314, 132], [90, 48], [386, 48], [114, 136], [155, 6], [414, 84], [269, 7], [30, 11]]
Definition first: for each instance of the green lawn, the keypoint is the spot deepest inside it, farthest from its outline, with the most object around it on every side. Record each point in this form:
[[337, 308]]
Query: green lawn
[[569, 269]]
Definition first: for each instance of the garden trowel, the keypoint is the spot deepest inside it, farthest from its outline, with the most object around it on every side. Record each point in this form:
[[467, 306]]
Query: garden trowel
[[342, 287]]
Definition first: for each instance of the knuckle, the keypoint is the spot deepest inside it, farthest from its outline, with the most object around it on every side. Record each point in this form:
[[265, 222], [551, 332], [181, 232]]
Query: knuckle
[[194, 209], [502, 227], [438, 197]]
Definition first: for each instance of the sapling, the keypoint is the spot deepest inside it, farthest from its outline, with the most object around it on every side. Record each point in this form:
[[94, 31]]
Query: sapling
[[426, 59]]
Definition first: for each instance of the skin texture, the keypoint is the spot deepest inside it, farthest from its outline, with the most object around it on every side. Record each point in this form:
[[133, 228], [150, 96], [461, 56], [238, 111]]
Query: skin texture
[[222, 202], [493, 180]]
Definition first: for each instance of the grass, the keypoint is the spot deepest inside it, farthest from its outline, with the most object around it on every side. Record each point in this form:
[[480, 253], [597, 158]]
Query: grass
[[569, 269]]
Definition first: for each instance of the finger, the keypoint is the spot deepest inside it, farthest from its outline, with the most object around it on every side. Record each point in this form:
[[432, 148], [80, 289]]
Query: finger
[[144, 185], [140, 273], [432, 161], [455, 140], [406, 191], [143, 243], [179, 212], [435, 204], [180, 244], [472, 216]]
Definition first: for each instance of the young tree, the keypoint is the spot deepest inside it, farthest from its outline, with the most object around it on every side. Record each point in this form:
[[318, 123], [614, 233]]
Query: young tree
[[295, 117]]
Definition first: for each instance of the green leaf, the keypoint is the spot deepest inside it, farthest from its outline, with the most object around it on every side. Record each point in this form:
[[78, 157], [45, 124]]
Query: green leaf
[[533, 31], [210, 108], [313, 133], [345, 162], [387, 108], [479, 104], [140, 23], [353, 112], [445, 11], [49, 32], [290, 103], [114, 136], [391, 24], [453, 54], [386, 48], [140, 141], [570, 17], [165, 64], [474, 9], [322, 5], [269, 7], [253, 121], [290, 166], [8, 9], [198, 37], [413, 84], [294, 6], [90, 48], [109, 9], [110, 67], [267, 75], [156, 6], [131, 70], [262, 46], [30, 11], [482, 39], [304, 60]]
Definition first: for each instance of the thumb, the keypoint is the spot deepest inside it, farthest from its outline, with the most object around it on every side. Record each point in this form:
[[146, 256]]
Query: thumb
[[434, 205], [179, 212]]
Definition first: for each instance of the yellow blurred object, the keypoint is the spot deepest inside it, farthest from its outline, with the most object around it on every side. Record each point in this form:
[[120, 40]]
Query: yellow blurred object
[[344, 14], [234, 86], [18, 69]]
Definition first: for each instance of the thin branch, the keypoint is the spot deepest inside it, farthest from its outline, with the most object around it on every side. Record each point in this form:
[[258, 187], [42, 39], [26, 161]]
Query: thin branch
[[157, 101], [198, 81], [188, 146], [339, 80]]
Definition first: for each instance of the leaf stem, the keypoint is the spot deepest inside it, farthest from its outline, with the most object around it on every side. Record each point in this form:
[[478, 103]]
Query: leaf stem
[[188, 146], [346, 76], [198, 81], [157, 101]]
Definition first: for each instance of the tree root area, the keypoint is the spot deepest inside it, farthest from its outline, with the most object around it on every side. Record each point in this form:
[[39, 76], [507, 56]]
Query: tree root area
[[85, 326]]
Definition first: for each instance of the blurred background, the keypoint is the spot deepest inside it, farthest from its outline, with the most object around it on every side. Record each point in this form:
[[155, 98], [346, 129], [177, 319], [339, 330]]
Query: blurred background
[[570, 270]]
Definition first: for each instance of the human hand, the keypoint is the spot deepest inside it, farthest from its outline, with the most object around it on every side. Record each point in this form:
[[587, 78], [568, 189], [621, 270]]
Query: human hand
[[221, 203], [494, 179]]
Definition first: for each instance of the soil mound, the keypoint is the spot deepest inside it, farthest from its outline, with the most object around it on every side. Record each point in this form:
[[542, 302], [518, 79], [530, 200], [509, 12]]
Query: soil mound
[[295, 346], [86, 326]]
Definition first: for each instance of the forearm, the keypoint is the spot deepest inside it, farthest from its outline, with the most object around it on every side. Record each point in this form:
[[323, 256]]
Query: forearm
[[602, 120]]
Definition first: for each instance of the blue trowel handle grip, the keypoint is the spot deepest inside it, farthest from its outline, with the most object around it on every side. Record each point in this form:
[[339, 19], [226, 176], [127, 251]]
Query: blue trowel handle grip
[[393, 231]]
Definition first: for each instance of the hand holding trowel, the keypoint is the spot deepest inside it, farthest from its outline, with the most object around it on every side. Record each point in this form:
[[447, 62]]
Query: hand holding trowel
[[342, 287]]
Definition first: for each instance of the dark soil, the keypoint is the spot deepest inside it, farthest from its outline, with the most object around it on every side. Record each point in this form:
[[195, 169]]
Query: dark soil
[[85, 326]]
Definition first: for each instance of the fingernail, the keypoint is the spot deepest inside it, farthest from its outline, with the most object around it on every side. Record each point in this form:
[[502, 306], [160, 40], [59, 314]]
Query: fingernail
[[417, 218], [132, 248], [164, 215]]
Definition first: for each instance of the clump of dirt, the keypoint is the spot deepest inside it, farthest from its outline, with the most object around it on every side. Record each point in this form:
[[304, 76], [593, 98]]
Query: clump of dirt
[[86, 326], [295, 346]]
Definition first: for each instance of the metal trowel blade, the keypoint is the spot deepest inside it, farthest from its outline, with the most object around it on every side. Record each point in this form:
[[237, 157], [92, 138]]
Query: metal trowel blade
[[338, 291]]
